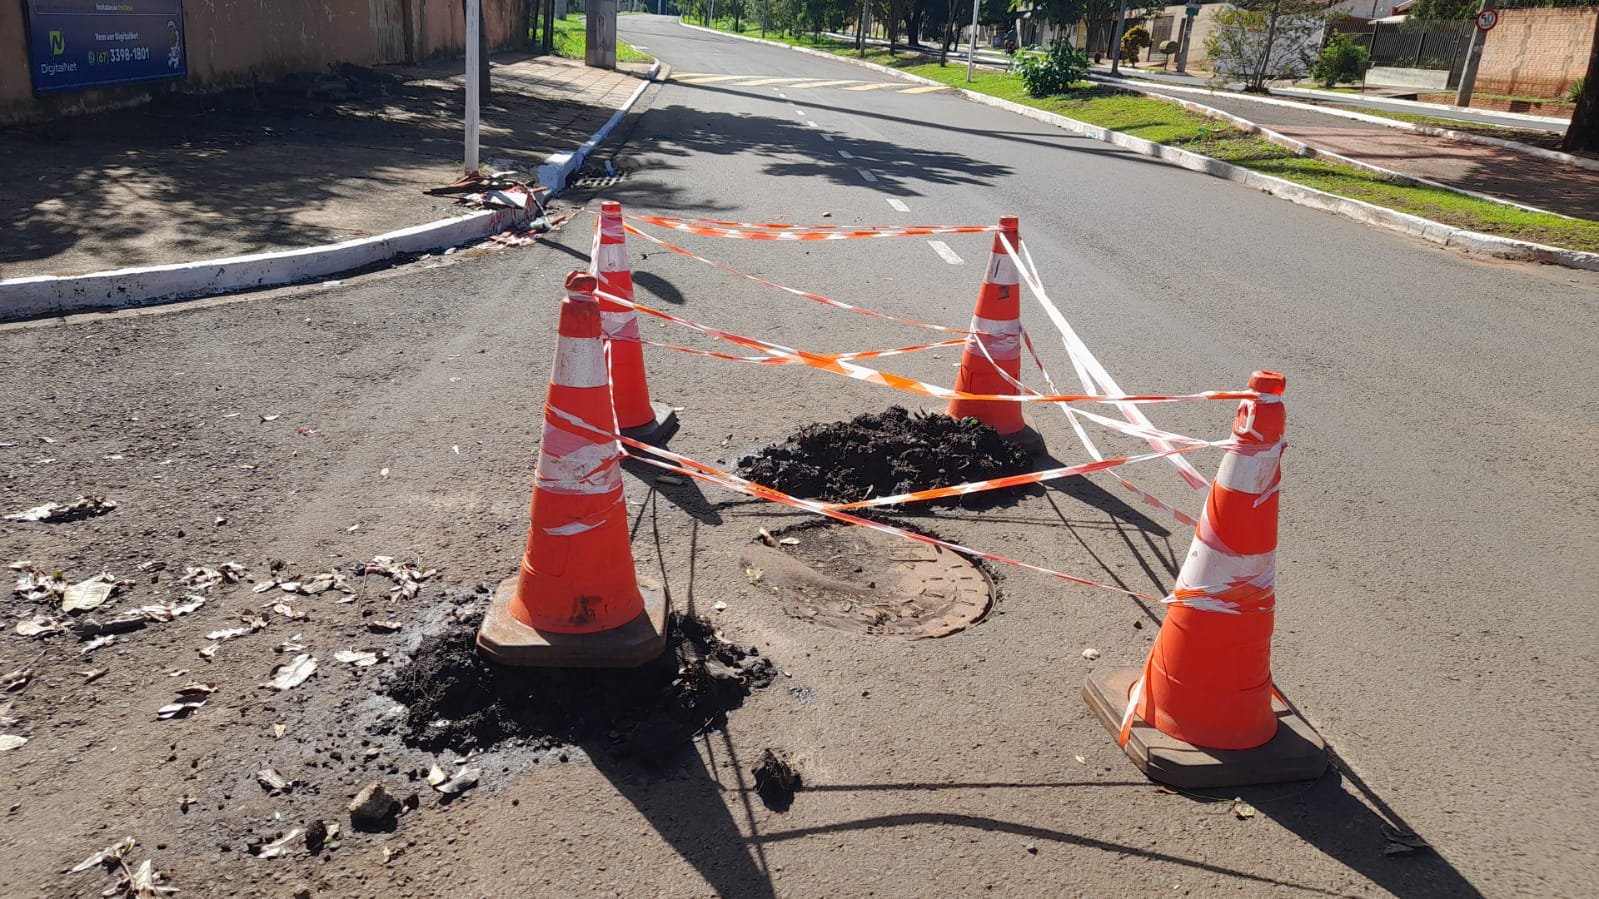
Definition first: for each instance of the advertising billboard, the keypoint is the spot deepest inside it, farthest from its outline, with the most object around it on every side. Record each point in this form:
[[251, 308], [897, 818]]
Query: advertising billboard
[[79, 44]]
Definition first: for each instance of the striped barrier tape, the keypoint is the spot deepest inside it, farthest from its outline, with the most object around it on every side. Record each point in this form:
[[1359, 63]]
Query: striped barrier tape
[[825, 362], [814, 297], [786, 360], [767, 233], [680, 464]]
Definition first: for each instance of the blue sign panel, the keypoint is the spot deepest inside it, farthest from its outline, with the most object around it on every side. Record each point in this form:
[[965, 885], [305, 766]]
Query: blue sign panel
[[77, 44]]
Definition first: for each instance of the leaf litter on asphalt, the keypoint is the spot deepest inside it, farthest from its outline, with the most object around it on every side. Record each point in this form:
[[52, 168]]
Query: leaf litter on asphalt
[[293, 673], [82, 507]]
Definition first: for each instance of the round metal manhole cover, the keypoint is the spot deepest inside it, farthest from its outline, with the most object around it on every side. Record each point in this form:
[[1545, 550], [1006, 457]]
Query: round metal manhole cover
[[867, 582]]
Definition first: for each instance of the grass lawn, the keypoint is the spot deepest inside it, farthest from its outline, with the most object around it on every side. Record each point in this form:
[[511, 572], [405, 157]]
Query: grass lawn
[[571, 41], [1168, 123]]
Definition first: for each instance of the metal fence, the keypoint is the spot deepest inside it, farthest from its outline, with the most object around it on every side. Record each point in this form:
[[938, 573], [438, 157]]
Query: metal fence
[[1439, 46]]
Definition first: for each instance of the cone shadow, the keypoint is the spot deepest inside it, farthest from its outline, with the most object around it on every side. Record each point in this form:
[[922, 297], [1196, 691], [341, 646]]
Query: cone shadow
[[686, 496], [689, 808]]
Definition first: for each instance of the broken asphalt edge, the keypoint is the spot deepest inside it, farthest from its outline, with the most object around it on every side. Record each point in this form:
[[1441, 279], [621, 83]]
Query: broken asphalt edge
[[1365, 213], [1143, 85], [41, 296]]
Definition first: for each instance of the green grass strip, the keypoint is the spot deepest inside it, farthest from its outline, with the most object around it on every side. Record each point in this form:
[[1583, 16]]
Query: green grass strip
[[571, 42], [1170, 124]]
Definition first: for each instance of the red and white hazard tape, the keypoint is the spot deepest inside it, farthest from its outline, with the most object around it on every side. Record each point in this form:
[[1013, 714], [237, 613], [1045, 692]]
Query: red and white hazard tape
[[739, 231], [829, 363], [814, 297]]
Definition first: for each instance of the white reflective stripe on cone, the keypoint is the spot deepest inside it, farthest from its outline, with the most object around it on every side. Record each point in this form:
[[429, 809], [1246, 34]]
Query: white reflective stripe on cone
[[1248, 468], [610, 257], [611, 229], [1001, 270], [1001, 337], [620, 325], [580, 362], [583, 466]]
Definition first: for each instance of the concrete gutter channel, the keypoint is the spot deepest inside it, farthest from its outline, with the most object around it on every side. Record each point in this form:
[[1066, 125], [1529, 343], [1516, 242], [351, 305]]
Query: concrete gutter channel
[[1367, 213], [48, 295]]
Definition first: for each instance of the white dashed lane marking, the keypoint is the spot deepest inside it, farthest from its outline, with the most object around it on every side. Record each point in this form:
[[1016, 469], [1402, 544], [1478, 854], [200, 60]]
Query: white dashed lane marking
[[899, 205], [867, 175], [828, 138], [945, 253], [846, 154]]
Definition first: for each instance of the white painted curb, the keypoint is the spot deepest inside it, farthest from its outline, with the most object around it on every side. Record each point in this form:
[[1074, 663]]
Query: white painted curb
[[1367, 213], [559, 166], [46, 295], [1430, 130], [1307, 150]]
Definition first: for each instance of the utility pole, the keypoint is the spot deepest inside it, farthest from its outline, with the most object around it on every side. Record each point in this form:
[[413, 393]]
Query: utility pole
[[1191, 15], [971, 46], [1116, 40], [1468, 75], [474, 77]]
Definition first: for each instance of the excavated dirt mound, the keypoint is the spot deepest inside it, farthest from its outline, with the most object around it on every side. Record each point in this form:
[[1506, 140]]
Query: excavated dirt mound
[[889, 453], [458, 700]]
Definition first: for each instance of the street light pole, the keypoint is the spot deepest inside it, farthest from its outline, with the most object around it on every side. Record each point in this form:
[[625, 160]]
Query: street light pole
[[971, 47], [1116, 41], [474, 22]]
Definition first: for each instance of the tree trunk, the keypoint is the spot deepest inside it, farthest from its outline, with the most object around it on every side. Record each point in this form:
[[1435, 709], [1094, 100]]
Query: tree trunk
[[1258, 83], [914, 28], [1583, 133]]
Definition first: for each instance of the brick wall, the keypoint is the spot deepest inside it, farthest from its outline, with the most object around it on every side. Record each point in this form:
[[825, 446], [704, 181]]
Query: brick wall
[[1536, 52]]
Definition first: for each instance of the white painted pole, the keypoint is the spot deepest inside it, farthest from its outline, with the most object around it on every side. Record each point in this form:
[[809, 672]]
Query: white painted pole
[[971, 49], [474, 23]]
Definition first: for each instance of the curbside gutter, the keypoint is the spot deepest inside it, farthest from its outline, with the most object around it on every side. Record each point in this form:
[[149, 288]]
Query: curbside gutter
[[49, 295], [1144, 85], [1366, 213]]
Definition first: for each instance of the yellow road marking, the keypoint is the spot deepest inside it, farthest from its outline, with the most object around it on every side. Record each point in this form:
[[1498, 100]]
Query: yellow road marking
[[810, 84], [760, 81], [705, 79], [924, 89], [870, 87]]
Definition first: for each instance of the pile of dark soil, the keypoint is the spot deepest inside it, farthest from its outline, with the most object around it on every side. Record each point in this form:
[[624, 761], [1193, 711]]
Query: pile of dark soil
[[886, 454], [460, 701]]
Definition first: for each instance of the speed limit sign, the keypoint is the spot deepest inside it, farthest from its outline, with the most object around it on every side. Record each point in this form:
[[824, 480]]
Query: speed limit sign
[[1487, 19]]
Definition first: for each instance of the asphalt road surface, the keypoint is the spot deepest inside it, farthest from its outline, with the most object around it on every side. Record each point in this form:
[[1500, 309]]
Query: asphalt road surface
[[1437, 553]]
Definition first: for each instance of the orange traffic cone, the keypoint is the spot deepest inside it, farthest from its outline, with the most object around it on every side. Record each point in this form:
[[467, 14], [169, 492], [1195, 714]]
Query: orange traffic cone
[[577, 602], [997, 329], [1203, 712], [635, 414]]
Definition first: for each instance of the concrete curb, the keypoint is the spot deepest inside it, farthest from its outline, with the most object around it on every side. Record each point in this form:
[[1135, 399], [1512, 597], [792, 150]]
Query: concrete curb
[[48, 295], [1430, 130], [1366, 213], [1310, 151], [560, 166]]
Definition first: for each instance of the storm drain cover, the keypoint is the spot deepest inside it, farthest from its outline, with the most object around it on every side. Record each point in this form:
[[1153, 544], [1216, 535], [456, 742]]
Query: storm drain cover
[[867, 582], [598, 181]]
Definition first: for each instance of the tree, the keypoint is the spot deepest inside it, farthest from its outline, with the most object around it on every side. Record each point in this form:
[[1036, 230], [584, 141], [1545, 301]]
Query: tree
[[1261, 41], [1442, 10], [1134, 39], [1583, 132]]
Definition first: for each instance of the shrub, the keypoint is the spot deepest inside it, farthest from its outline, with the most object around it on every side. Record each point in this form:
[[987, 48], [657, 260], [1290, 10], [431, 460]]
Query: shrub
[[1055, 72], [1341, 60], [1574, 92], [1134, 39]]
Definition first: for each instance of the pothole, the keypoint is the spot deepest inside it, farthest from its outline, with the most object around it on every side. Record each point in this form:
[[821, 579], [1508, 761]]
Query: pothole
[[458, 700], [863, 581], [889, 453]]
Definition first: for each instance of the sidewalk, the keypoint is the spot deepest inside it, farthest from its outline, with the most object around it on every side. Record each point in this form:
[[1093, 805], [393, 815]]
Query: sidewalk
[[1495, 171], [304, 161]]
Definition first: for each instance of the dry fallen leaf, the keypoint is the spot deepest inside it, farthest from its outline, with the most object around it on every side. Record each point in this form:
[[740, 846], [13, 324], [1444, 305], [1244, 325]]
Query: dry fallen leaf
[[9, 742], [436, 775], [273, 782], [1243, 809], [114, 852], [464, 779], [293, 673], [280, 845], [98, 643], [89, 594], [39, 625], [182, 708], [278, 730], [208, 651], [789, 541], [90, 675], [379, 626], [358, 658], [1091, 654], [767, 538]]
